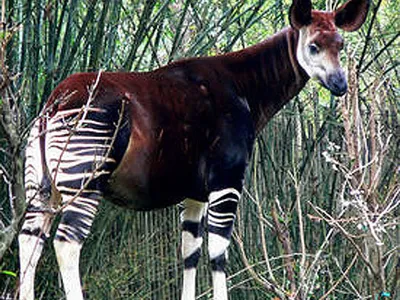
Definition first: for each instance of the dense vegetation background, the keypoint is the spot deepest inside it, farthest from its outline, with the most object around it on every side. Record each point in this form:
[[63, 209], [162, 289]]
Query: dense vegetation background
[[320, 213]]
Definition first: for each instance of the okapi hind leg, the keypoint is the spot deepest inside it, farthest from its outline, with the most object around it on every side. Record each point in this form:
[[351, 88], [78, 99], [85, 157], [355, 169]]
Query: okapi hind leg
[[81, 157], [192, 219], [221, 217], [31, 240], [38, 218], [73, 229]]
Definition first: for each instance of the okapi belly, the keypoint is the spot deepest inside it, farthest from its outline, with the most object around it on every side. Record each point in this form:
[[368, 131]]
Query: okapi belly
[[144, 181], [157, 169], [140, 194]]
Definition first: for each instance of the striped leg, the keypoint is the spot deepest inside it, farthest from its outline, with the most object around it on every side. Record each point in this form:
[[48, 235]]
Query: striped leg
[[37, 223], [79, 159], [34, 232], [221, 217], [192, 238], [72, 231]]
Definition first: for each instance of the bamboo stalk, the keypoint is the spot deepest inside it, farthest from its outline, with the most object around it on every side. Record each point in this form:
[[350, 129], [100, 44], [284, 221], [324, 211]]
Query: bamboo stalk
[[140, 33], [75, 46], [97, 43]]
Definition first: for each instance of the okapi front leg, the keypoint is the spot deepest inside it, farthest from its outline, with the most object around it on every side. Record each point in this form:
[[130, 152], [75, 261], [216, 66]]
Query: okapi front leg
[[192, 238], [226, 166], [221, 217]]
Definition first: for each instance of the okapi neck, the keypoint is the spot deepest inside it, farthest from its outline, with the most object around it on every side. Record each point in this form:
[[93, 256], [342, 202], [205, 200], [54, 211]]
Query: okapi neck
[[268, 75]]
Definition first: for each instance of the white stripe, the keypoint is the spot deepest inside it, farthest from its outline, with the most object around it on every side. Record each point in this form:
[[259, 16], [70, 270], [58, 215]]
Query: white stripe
[[65, 134], [88, 121], [217, 215], [69, 112], [219, 194], [218, 225], [77, 152], [217, 245], [190, 244], [80, 199], [81, 137], [75, 145], [88, 129], [76, 160], [220, 222], [70, 229], [86, 213], [78, 176], [216, 203], [72, 190]]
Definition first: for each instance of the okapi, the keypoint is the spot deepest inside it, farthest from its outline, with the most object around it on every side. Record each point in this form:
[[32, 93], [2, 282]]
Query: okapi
[[181, 133]]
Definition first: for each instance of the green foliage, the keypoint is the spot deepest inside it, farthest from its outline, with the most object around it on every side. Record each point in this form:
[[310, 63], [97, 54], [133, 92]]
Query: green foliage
[[8, 273]]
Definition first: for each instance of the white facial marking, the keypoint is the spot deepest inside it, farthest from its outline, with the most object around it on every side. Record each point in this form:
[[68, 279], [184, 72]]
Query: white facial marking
[[312, 58]]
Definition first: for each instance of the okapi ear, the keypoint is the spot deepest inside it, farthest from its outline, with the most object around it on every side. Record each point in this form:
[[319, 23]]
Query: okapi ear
[[351, 15], [300, 13]]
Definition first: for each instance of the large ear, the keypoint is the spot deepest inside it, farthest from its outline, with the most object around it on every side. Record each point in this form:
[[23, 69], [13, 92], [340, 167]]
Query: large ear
[[351, 15], [300, 13]]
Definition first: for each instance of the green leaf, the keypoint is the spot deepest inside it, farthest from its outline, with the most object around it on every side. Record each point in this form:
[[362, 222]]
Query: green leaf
[[10, 273]]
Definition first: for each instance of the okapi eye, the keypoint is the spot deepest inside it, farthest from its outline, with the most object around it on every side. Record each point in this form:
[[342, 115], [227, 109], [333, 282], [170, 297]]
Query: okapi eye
[[313, 49]]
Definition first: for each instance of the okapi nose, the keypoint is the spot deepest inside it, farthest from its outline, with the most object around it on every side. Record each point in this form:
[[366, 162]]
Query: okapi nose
[[337, 83]]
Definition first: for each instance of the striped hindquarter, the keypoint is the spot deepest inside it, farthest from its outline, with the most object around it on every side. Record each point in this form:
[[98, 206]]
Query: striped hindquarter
[[79, 159], [67, 164]]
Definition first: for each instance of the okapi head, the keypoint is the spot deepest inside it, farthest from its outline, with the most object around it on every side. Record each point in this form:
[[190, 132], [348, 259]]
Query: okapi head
[[319, 45]]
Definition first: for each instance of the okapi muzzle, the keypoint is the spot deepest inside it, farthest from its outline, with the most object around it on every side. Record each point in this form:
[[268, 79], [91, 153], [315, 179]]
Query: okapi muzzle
[[336, 83]]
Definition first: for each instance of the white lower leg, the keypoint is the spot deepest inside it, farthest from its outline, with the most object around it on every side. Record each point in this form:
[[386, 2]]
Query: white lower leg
[[68, 253], [192, 239], [30, 249], [217, 248], [219, 285], [189, 284], [191, 252], [221, 216]]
